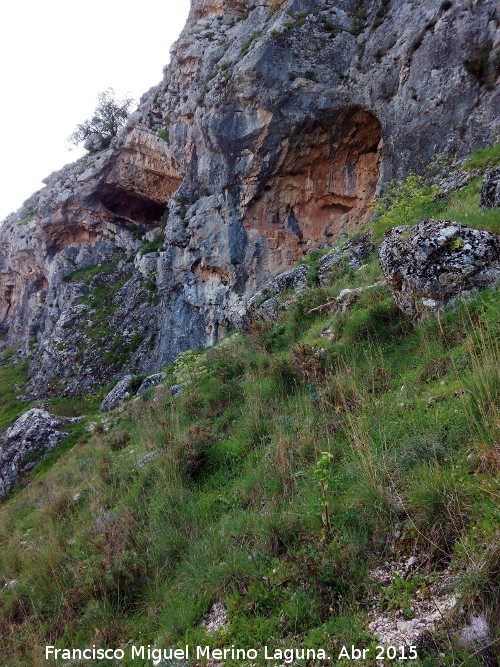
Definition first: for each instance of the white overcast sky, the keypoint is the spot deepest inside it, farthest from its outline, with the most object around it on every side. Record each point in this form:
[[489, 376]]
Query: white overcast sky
[[55, 57]]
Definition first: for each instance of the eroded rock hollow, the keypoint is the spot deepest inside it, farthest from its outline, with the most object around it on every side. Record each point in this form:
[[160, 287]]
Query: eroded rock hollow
[[272, 129], [325, 177]]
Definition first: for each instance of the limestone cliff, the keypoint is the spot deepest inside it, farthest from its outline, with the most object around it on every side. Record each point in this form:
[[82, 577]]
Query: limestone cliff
[[273, 127]]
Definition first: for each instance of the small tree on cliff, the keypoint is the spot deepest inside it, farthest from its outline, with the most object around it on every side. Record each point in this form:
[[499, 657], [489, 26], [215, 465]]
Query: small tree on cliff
[[109, 117]]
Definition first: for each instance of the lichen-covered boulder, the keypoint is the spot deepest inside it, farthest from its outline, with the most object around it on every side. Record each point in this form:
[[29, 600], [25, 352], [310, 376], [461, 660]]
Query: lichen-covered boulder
[[31, 436], [490, 192], [151, 381], [117, 395], [433, 263]]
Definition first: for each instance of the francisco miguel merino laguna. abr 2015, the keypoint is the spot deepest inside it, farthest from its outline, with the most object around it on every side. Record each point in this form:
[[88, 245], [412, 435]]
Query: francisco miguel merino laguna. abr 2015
[[288, 655]]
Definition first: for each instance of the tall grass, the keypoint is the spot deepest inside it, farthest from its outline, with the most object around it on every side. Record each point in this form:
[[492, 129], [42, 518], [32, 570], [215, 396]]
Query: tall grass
[[229, 507]]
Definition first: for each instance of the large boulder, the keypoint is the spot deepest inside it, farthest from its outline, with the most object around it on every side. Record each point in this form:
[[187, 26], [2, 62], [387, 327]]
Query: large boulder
[[117, 395], [151, 381], [433, 263], [27, 440], [95, 142], [490, 192]]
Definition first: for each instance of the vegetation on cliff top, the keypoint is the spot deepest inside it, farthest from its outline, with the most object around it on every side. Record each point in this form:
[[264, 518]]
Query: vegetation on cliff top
[[109, 117]]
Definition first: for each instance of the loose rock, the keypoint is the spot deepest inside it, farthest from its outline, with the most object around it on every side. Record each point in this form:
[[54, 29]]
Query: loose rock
[[32, 435], [476, 632], [151, 381], [117, 395], [490, 192]]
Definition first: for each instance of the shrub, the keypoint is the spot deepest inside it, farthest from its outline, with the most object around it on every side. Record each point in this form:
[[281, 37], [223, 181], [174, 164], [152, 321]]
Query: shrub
[[478, 62], [404, 203], [225, 363], [109, 117], [189, 367], [358, 18], [275, 5], [164, 134], [423, 449], [247, 45], [381, 12]]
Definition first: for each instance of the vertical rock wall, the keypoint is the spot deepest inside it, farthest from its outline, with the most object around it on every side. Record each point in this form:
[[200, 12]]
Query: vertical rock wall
[[273, 127]]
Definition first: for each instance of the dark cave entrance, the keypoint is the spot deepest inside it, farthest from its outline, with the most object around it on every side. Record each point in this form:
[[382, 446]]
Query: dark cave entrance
[[131, 205]]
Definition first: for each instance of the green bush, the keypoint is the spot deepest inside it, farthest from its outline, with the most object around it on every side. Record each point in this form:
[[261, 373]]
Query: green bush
[[404, 203], [164, 134], [247, 45], [478, 61]]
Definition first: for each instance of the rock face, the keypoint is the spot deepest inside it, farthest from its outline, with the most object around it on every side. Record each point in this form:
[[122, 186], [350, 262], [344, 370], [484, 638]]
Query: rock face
[[429, 265], [266, 304], [282, 292], [31, 435], [273, 127], [351, 253], [490, 192]]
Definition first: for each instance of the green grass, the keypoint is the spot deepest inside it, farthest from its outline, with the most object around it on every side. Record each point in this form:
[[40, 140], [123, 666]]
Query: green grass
[[164, 134], [152, 246], [85, 275], [486, 157], [463, 206], [71, 406], [11, 408], [409, 201], [232, 507]]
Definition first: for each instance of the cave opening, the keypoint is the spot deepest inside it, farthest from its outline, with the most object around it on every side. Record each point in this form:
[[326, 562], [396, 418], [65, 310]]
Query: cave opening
[[131, 205], [326, 175]]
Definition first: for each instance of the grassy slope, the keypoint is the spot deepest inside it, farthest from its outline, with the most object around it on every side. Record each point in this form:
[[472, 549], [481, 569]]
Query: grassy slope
[[10, 377], [230, 508]]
